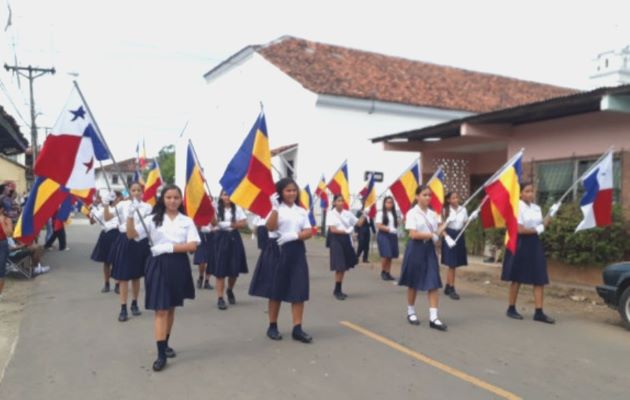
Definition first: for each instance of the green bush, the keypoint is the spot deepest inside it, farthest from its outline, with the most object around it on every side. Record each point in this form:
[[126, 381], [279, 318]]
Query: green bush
[[597, 246]]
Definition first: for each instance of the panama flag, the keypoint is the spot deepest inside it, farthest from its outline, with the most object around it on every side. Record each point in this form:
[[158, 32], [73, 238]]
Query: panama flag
[[596, 204], [73, 147]]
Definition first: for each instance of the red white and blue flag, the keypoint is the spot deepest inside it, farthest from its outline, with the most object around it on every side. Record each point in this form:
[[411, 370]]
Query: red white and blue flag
[[596, 204], [71, 151]]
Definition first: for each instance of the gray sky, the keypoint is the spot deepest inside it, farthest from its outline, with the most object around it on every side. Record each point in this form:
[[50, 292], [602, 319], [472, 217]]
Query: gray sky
[[141, 62]]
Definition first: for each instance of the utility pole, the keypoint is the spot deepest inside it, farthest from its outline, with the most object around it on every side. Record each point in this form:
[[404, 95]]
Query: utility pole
[[31, 74]]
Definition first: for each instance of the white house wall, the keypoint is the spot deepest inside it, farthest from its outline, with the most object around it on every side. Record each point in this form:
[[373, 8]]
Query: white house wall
[[326, 134]]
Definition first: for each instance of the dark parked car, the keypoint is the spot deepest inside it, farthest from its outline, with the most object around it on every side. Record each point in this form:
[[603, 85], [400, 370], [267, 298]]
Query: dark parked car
[[616, 289]]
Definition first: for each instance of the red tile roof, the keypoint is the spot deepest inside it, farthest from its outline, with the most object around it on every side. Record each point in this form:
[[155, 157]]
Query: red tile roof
[[340, 71]]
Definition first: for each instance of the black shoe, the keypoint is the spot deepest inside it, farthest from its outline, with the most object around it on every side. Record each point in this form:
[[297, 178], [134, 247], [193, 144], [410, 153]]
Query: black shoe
[[453, 294], [340, 295], [542, 317], [159, 364], [230, 296], [447, 290], [389, 277], [207, 285], [117, 289], [513, 314], [199, 283], [105, 289], [413, 321], [384, 276], [273, 334], [135, 311], [439, 327], [302, 336], [122, 317], [365, 261], [170, 353], [221, 304]]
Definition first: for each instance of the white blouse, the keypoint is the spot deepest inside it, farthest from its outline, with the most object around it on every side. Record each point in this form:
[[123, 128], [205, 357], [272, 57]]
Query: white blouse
[[145, 209], [179, 230], [341, 221], [290, 219], [227, 215], [99, 216], [530, 215], [420, 221], [390, 220], [460, 218]]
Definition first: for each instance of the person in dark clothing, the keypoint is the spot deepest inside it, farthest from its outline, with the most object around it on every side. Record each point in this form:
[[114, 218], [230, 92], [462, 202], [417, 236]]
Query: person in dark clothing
[[364, 233], [59, 232]]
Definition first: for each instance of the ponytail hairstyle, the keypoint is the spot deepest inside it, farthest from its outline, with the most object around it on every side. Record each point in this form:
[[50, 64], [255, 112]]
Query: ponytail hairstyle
[[335, 197], [447, 199], [160, 208], [282, 184], [221, 208], [385, 214], [419, 189]]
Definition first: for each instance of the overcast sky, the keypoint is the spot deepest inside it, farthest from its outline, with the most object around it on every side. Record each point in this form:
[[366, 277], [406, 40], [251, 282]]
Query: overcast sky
[[140, 62]]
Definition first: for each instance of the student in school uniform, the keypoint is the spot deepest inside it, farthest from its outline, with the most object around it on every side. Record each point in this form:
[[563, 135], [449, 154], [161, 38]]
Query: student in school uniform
[[455, 218], [364, 233], [420, 267], [103, 247], [129, 255], [387, 236], [230, 251], [169, 278], [528, 266], [59, 233], [262, 233], [341, 224], [205, 256], [281, 272]]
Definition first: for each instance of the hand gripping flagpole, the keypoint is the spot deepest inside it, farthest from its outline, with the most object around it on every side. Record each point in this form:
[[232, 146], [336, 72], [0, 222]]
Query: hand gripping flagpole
[[111, 156], [463, 230]]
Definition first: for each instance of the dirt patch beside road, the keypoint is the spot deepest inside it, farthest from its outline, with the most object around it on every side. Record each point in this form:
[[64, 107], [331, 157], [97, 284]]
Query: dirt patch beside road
[[15, 295]]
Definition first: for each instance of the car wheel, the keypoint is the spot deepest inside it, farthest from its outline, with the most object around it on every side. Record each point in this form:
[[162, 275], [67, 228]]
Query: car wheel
[[624, 307]]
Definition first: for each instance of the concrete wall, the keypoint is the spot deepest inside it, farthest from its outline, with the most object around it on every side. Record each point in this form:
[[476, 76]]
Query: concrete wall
[[12, 171]]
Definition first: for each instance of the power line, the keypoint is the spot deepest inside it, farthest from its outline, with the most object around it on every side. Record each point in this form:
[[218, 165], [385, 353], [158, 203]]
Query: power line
[[17, 110]]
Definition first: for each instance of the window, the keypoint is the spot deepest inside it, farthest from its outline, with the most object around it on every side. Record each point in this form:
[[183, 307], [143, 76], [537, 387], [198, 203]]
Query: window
[[555, 178], [114, 179]]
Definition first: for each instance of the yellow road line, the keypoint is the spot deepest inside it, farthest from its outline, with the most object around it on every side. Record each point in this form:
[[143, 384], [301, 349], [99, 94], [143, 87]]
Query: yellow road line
[[429, 361]]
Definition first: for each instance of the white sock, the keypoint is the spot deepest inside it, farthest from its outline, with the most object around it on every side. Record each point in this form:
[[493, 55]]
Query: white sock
[[433, 315], [411, 310]]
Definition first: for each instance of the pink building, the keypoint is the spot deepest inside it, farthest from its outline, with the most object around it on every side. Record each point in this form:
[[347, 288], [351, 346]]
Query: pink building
[[561, 137]]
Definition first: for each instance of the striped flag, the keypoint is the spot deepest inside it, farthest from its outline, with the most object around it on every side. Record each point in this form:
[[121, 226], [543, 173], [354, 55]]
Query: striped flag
[[597, 202], [404, 188], [368, 194], [320, 192], [196, 201], [436, 184], [339, 185], [306, 201], [154, 181], [247, 178]]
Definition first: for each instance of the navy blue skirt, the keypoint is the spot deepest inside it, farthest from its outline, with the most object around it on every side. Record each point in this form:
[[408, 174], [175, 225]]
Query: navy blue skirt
[[104, 246], [342, 255], [281, 273], [387, 244], [528, 265], [168, 281], [129, 258], [262, 236], [456, 256], [230, 258], [205, 250], [420, 269]]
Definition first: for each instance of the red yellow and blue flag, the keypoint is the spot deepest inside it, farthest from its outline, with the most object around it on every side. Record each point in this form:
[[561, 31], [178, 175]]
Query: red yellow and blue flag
[[153, 183], [196, 201], [306, 201], [340, 186], [247, 178], [436, 184], [320, 192], [404, 188]]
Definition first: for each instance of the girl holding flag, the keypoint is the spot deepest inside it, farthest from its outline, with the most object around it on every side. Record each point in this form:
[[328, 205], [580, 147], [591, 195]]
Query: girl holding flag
[[387, 236], [230, 252], [169, 278], [420, 268], [109, 233], [129, 255], [282, 271], [341, 224], [205, 256], [528, 265]]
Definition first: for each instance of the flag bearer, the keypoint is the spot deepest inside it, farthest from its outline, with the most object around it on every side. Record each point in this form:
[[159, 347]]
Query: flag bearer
[[387, 236], [282, 271], [129, 255], [169, 278], [262, 233], [106, 239], [364, 233], [230, 252], [341, 224], [420, 268], [205, 256], [528, 265]]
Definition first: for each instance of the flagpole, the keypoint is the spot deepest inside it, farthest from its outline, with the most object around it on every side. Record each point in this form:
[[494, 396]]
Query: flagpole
[[111, 156], [485, 199], [588, 171]]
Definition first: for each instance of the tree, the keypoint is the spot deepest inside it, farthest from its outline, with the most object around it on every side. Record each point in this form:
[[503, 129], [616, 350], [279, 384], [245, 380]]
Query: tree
[[166, 160]]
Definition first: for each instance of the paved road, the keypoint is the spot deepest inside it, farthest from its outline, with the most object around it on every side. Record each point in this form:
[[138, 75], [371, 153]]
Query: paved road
[[72, 347]]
